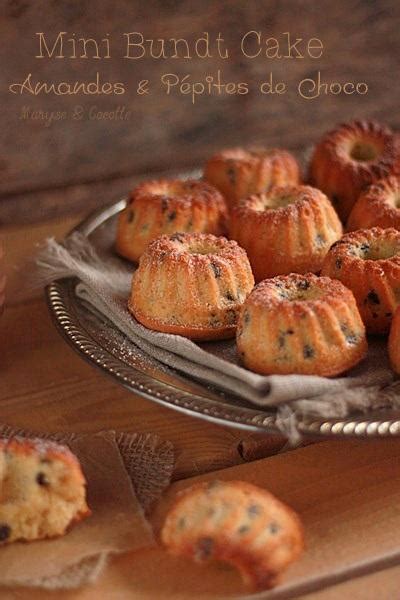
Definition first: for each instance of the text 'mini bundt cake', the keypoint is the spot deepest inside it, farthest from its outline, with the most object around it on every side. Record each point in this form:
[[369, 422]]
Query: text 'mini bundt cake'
[[350, 158], [191, 284], [300, 324], [288, 229], [238, 523], [42, 490], [164, 207], [377, 206], [367, 261], [238, 172]]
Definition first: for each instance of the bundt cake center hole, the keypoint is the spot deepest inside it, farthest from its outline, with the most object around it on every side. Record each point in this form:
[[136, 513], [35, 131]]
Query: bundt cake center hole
[[277, 201], [363, 151], [201, 249]]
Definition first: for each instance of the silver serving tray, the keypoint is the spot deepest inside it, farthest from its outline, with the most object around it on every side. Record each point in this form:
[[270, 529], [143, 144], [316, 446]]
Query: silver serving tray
[[101, 344]]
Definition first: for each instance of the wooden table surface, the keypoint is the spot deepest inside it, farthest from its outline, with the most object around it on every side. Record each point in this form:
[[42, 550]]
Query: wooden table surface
[[45, 386]]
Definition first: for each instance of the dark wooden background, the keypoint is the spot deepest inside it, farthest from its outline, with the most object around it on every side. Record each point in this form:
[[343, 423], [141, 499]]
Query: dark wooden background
[[48, 171]]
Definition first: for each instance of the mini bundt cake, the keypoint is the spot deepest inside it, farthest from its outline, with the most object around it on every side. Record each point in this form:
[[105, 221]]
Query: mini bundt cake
[[288, 229], [237, 172], [191, 284], [42, 490], [238, 523], [300, 324], [368, 262], [350, 158], [394, 342], [378, 206], [165, 207]]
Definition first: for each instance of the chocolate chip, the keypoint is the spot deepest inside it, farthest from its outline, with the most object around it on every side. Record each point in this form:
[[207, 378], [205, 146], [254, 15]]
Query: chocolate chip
[[303, 285], [308, 351], [231, 175], [273, 527], [231, 316], [364, 247], [243, 529], [351, 339], [230, 297], [338, 263], [254, 510], [5, 532], [172, 216], [130, 216], [164, 203], [246, 317], [290, 332], [216, 269], [320, 240], [41, 479], [372, 298], [177, 237], [204, 548]]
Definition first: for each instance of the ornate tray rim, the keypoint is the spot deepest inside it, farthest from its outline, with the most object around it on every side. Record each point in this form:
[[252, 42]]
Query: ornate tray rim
[[62, 305]]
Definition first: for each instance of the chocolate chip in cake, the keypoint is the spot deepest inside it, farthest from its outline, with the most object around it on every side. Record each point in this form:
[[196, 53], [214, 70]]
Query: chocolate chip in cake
[[273, 527], [246, 317], [41, 479], [308, 351], [130, 216], [303, 285], [320, 240], [254, 510], [364, 248], [204, 548], [231, 175], [243, 529], [338, 263], [231, 316], [177, 237], [372, 298], [172, 216], [5, 532], [164, 203], [216, 269], [229, 296]]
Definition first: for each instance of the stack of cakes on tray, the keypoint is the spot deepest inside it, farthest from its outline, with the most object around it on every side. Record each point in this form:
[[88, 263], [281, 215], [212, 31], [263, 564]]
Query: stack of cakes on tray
[[202, 244]]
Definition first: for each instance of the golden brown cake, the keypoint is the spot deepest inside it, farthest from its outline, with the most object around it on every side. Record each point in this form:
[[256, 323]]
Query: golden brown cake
[[191, 284], [300, 324], [165, 207], [394, 342], [42, 490], [377, 206], [350, 158], [367, 261], [237, 172], [238, 523], [288, 229]]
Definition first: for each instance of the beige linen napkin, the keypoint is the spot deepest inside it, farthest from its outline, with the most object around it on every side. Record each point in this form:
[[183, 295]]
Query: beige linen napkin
[[115, 466], [105, 286]]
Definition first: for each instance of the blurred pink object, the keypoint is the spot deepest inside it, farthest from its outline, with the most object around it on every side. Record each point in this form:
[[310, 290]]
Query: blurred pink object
[[2, 283]]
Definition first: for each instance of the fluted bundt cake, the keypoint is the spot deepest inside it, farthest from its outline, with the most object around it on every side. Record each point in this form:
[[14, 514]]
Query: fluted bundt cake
[[300, 324], [350, 158], [367, 261], [237, 172], [191, 284], [165, 207], [377, 206], [238, 523], [288, 229], [42, 490], [394, 342]]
